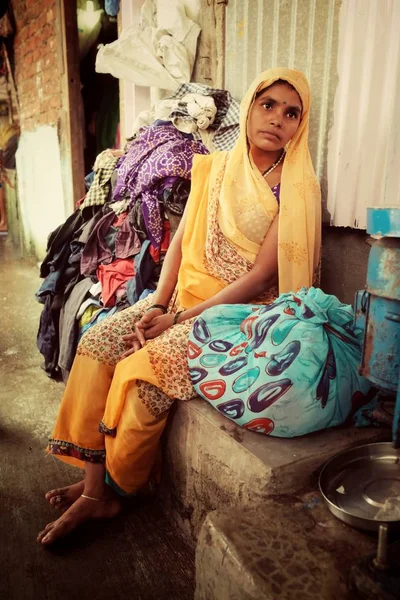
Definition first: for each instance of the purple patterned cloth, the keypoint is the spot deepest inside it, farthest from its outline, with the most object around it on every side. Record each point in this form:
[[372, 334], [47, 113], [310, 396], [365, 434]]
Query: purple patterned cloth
[[157, 153], [276, 190]]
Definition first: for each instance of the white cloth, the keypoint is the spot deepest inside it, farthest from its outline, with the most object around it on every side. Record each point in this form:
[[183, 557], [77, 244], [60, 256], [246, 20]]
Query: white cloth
[[88, 302], [120, 206], [161, 110], [201, 113], [158, 52], [225, 130], [201, 110], [95, 290]]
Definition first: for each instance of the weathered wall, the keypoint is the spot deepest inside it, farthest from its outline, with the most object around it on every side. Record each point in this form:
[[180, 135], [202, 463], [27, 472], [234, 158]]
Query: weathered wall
[[301, 35], [40, 191], [38, 68], [307, 34], [344, 261], [209, 67], [36, 63]]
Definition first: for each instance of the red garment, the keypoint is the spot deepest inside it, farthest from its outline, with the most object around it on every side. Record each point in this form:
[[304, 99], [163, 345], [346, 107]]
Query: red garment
[[119, 219], [112, 276], [156, 253], [79, 202]]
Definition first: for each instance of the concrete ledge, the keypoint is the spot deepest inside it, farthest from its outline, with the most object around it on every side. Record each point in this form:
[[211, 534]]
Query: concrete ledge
[[288, 549], [212, 463]]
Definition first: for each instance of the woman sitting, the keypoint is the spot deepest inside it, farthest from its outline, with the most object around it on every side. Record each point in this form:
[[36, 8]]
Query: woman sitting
[[252, 222]]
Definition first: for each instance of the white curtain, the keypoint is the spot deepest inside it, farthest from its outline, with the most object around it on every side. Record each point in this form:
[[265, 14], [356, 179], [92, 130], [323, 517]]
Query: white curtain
[[364, 143]]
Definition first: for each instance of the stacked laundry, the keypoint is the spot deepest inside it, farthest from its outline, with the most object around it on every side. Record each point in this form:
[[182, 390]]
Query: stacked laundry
[[61, 272], [209, 114], [99, 181], [159, 152], [108, 255]]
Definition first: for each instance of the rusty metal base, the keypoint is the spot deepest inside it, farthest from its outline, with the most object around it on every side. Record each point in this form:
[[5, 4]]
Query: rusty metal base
[[373, 584]]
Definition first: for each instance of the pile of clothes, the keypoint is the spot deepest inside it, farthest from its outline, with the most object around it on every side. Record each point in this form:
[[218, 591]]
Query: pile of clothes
[[209, 114], [108, 254]]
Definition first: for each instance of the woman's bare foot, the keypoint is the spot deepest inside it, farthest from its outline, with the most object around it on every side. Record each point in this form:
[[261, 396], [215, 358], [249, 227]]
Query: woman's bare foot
[[81, 510], [63, 498]]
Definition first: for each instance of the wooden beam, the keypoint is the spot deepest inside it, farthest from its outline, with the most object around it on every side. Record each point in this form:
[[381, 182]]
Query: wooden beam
[[209, 67], [71, 129]]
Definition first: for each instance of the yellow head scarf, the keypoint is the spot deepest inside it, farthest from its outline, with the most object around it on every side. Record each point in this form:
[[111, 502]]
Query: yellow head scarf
[[300, 198], [246, 208]]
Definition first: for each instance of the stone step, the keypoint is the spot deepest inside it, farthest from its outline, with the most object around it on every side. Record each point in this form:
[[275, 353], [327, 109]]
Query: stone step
[[290, 548], [212, 463]]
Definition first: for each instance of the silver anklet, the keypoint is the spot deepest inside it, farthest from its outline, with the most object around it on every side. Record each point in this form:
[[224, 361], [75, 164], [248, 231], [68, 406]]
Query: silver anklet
[[90, 498]]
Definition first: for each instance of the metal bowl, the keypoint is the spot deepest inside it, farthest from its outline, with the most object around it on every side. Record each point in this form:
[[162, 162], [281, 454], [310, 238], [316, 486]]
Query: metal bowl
[[361, 486]]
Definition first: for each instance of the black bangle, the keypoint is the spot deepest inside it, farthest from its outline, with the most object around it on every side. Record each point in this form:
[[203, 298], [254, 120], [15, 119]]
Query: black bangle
[[176, 317], [159, 306]]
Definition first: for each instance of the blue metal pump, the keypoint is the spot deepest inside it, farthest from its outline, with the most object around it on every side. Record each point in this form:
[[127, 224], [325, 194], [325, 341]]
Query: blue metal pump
[[379, 305]]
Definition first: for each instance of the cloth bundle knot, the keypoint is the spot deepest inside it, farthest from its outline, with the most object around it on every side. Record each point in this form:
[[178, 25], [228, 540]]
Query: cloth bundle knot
[[201, 108]]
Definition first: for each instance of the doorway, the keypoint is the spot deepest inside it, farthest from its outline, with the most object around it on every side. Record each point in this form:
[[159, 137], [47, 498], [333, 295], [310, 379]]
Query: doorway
[[90, 120], [100, 92]]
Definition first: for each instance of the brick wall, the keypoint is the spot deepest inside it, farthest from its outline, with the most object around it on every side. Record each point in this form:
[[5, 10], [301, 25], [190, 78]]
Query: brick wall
[[37, 75]]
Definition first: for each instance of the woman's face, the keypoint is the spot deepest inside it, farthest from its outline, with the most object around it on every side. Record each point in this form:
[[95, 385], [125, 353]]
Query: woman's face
[[274, 117]]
